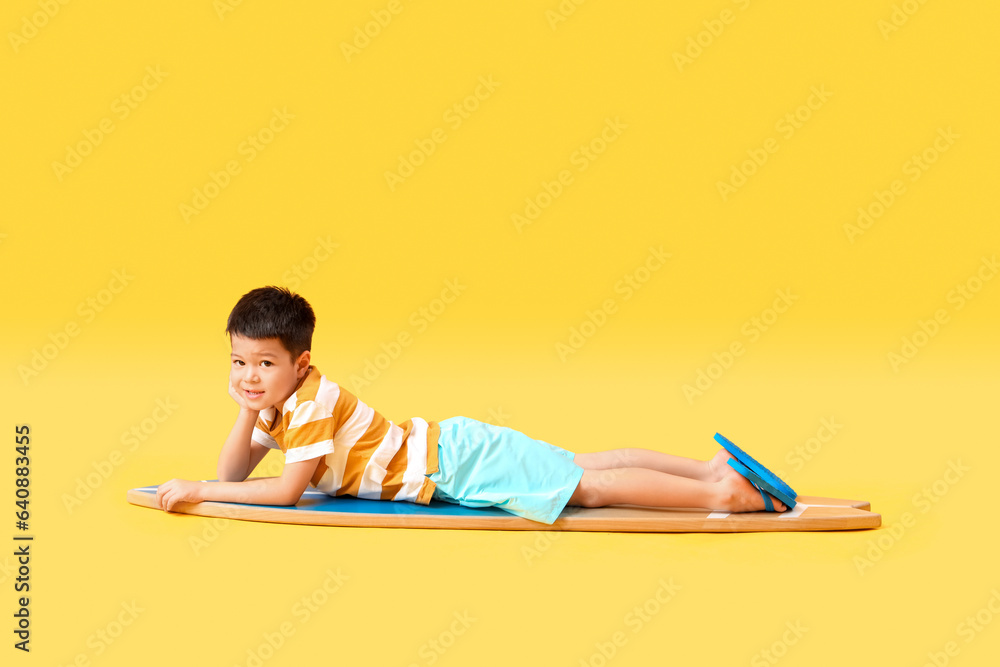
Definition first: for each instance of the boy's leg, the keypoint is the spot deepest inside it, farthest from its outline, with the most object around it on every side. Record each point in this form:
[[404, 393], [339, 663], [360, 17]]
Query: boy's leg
[[639, 457], [652, 488]]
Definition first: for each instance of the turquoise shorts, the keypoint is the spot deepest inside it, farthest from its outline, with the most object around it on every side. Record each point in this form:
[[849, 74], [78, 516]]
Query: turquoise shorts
[[482, 465]]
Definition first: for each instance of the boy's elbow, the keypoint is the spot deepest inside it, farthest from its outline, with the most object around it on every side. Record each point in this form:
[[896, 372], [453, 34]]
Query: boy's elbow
[[288, 493], [290, 498]]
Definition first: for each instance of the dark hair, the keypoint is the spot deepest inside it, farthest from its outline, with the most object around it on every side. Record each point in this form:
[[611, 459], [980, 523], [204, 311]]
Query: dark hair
[[274, 312]]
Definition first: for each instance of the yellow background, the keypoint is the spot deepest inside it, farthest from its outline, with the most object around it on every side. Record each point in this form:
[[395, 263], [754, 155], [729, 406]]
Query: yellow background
[[492, 353]]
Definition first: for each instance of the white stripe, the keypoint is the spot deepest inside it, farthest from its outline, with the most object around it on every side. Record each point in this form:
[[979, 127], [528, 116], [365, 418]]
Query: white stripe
[[375, 471], [787, 514], [325, 483], [327, 394], [794, 512], [346, 437], [416, 461], [289, 404], [264, 438], [267, 414], [306, 452], [802, 507], [308, 411]]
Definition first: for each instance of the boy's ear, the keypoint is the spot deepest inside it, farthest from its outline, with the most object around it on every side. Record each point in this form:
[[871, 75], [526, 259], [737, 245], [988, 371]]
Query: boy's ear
[[302, 363]]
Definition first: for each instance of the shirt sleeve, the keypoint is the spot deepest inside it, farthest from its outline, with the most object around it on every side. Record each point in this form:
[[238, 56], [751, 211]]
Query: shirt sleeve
[[261, 434], [310, 432]]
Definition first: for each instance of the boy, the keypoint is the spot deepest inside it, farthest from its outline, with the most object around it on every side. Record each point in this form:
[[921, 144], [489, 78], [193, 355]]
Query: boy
[[334, 442]]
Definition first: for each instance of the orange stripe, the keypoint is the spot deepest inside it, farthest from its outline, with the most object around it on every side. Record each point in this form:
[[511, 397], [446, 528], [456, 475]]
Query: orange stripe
[[393, 481], [346, 403], [310, 433], [433, 433], [310, 387], [357, 459], [320, 471], [305, 392], [426, 491]]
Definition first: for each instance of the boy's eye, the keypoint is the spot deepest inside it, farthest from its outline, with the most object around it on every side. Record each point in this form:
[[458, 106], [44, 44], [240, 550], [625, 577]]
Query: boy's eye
[[266, 362], [237, 361]]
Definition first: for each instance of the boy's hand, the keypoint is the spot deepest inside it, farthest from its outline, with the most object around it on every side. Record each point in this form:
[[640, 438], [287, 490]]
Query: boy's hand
[[178, 491], [240, 400]]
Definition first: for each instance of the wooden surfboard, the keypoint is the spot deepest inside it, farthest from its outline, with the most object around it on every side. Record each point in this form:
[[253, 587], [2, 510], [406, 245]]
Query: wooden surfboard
[[317, 508]]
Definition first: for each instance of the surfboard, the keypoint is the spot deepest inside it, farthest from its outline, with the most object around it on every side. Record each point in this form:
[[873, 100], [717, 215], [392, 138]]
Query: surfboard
[[811, 513]]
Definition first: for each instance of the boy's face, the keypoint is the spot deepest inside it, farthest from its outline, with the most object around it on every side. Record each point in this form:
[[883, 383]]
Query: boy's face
[[262, 371]]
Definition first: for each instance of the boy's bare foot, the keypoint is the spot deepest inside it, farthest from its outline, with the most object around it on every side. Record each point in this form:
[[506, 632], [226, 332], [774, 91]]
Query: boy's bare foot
[[736, 493], [717, 466]]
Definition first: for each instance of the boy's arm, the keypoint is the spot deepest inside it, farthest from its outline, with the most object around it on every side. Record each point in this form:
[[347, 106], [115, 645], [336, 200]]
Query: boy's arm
[[234, 459], [284, 490]]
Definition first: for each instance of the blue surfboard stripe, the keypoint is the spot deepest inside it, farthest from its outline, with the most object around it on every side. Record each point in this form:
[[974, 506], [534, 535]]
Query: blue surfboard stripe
[[317, 501]]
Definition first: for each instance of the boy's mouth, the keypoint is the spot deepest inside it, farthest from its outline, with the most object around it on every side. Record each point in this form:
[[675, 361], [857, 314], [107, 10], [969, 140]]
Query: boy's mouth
[[253, 394]]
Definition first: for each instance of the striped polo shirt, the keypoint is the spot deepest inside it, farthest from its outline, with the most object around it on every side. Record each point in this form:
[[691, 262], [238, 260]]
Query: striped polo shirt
[[364, 454]]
